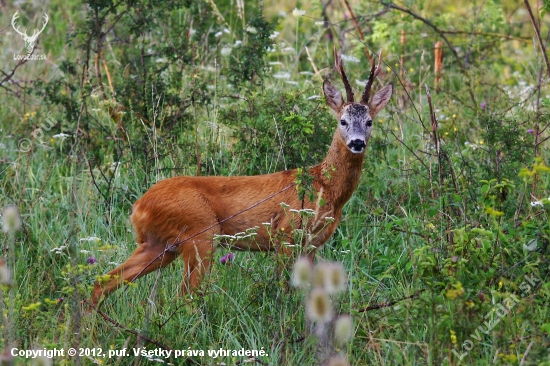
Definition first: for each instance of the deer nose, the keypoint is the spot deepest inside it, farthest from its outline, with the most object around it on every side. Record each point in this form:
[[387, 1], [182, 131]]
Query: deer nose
[[357, 145]]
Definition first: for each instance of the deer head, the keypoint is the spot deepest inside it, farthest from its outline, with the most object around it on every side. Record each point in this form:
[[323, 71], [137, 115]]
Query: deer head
[[30, 41], [355, 119]]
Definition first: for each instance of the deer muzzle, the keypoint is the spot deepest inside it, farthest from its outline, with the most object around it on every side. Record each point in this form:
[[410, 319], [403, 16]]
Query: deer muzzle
[[357, 146]]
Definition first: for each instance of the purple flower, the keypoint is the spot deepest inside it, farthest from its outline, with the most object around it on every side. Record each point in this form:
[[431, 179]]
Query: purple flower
[[228, 258], [483, 105], [91, 260], [530, 131], [60, 300]]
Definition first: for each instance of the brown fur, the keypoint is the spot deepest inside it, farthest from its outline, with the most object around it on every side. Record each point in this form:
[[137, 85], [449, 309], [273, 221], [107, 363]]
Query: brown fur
[[178, 208]]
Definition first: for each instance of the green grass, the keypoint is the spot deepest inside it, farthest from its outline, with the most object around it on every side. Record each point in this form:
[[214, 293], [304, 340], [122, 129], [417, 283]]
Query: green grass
[[429, 257]]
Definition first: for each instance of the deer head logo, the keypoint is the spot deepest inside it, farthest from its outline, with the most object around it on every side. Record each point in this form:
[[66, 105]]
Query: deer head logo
[[29, 40]]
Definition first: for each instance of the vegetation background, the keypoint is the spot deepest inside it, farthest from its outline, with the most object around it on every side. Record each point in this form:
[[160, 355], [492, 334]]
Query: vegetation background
[[450, 216]]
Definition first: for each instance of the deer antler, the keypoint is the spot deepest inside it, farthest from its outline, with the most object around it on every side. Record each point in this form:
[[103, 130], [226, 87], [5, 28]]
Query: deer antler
[[13, 19], [373, 73], [340, 68]]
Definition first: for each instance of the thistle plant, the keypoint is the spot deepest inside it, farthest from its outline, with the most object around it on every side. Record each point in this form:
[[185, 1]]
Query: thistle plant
[[11, 222], [324, 281]]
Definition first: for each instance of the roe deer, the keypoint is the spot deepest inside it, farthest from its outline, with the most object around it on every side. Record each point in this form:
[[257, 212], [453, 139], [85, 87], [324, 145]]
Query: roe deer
[[180, 216]]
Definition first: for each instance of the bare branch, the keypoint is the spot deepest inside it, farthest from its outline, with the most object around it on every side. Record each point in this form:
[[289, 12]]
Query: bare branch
[[537, 31], [428, 23]]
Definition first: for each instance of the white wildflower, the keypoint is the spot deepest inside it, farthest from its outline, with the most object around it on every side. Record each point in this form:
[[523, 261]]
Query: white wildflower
[[319, 306], [5, 274], [251, 30], [531, 245], [281, 75], [343, 329], [297, 13], [349, 58], [91, 238], [11, 219], [41, 361], [59, 250], [336, 280], [226, 51], [301, 273], [338, 360]]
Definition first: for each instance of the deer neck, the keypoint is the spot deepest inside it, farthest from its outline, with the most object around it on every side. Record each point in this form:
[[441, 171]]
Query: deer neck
[[339, 173]]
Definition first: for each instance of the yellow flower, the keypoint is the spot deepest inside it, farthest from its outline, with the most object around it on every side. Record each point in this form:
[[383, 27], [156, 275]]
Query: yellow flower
[[32, 307], [455, 291], [454, 340]]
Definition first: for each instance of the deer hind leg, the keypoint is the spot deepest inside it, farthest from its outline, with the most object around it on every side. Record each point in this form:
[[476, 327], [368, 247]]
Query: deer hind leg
[[145, 259], [197, 257]]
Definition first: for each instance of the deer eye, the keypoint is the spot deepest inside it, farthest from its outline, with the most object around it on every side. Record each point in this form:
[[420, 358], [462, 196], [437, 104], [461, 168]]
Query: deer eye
[[369, 123], [343, 123]]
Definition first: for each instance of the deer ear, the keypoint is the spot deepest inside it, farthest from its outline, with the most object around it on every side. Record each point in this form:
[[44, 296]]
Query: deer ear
[[333, 97], [380, 99]]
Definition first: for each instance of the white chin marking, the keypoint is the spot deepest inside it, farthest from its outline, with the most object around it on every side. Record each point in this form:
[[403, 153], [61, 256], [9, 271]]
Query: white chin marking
[[357, 151]]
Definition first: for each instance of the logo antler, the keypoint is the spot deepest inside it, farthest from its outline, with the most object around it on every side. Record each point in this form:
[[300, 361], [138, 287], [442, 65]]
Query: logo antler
[[29, 40]]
